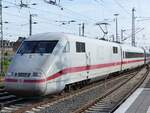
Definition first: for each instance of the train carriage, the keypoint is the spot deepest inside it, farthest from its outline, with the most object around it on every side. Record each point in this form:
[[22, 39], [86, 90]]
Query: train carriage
[[46, 63], [147, 56], [132, 57]]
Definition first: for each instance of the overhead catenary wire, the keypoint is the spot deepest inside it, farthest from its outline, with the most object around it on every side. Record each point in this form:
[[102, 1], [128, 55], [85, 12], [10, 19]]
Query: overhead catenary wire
[[46, 11], [53, 21], [23, 17], [12, 14], [122, 7], [100, 3], [78, 14], [47, 16], [69, 11], [49, 19]]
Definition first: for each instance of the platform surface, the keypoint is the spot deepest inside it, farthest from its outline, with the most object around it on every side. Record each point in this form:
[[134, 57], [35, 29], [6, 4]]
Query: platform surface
[[138, 102]]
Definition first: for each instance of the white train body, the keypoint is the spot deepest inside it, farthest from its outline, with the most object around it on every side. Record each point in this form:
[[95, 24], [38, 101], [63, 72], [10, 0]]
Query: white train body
[[46, 63]]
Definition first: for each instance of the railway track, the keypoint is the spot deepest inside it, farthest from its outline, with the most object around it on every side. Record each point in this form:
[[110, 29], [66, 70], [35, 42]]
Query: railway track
[[67, 102], [12, 104], [7, 99], [104, 104]]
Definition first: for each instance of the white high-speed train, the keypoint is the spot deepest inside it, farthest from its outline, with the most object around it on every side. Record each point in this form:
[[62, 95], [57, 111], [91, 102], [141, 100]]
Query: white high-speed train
[[46, 63]]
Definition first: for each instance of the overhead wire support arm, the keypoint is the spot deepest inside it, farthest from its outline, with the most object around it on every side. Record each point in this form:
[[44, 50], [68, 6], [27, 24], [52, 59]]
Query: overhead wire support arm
[[122, 7], [105, 32]]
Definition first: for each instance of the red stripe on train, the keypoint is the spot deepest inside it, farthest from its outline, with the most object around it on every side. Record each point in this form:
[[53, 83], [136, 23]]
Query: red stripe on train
[[11, 80], [73, 70]]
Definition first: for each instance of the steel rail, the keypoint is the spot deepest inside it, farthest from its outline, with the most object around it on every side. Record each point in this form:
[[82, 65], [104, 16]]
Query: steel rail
[[99, 99]]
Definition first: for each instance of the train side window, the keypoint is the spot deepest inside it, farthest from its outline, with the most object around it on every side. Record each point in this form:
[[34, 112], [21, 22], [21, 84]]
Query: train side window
[[115, 50], [67, 48], [133, 55], [80, 47]]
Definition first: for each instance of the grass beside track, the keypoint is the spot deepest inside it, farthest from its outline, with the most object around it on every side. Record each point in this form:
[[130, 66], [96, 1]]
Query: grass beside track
[[1, 84], [5, 64]]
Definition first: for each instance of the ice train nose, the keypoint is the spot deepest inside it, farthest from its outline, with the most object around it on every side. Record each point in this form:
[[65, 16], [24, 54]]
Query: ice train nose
[[22, 86]]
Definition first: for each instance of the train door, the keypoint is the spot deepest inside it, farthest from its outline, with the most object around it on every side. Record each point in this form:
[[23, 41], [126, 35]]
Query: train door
[[144, 56], [122, 55], [88, 63]]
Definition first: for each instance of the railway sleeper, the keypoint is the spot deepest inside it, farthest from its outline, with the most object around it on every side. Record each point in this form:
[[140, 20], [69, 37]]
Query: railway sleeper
[[4, 94], [8, 97], [2, 90]]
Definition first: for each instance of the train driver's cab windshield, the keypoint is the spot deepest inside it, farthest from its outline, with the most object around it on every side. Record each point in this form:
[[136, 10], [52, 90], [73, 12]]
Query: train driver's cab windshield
[[37, 47]]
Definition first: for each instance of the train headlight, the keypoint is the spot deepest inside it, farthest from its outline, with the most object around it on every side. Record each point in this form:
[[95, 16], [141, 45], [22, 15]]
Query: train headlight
[[37, 74]]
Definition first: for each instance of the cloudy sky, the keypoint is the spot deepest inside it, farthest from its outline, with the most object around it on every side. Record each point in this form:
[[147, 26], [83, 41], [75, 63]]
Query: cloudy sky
[[48, 17]]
